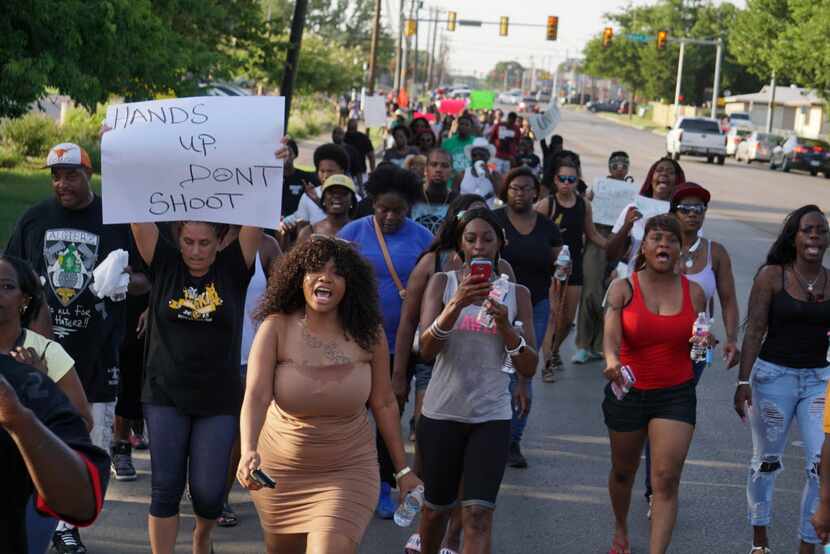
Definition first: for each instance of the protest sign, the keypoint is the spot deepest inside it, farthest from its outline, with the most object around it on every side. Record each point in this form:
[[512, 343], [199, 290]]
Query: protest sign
[[482, 99], [428, 116], [374, 111], [544, 124], [611, 196], [203, 159], [452, 107], [650, 207]]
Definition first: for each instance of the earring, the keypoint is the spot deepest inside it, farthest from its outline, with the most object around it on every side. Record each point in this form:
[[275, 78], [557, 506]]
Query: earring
[[23, 309]]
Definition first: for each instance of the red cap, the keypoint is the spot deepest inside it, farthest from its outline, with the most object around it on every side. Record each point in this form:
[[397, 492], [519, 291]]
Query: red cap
[[689, 189]]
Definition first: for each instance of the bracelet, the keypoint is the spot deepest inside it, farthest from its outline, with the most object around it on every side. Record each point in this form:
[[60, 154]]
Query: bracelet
[[519, 347], [437, 332], [402, 473], [739, 383]]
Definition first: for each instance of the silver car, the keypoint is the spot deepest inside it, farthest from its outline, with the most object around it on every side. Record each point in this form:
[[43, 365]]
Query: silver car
[[757, 147]]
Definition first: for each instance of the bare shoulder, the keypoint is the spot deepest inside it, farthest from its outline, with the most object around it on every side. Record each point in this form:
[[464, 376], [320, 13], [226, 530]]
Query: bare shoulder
[[619, 292], [696, 292], [769, 277]]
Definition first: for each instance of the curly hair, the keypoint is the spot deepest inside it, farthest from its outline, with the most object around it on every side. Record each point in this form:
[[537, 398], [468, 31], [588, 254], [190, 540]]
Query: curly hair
[[388, 178], [358, 311], [332, 152], [29, 284]]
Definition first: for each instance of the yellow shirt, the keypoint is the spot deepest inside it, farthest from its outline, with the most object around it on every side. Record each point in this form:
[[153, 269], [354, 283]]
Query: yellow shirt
[[57, 361]]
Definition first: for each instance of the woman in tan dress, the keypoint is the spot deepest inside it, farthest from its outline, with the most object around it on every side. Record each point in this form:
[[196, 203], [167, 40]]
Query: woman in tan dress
[[319, 359]]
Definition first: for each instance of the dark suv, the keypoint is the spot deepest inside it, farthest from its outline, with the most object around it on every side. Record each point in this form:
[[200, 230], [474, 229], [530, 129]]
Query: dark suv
[[802, 153]]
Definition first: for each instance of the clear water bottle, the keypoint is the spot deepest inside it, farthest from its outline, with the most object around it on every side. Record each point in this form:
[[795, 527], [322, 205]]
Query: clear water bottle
[[828, 347], [562, 263], [508, 360], [498, 293], [410, 507], [701, 328]]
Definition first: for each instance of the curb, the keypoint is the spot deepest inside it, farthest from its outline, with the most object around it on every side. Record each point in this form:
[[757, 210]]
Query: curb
[[657, 132]]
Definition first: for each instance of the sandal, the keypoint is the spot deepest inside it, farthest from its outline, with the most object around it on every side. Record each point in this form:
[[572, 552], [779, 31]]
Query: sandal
[[228, 518], [413, 545], [616, 548], [762, 549]]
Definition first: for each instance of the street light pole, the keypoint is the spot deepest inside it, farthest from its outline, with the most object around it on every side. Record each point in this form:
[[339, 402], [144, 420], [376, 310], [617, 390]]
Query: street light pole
[[293, 55], [399, 51], [771, 107], [679, 79], [716, 84], [373, 56]]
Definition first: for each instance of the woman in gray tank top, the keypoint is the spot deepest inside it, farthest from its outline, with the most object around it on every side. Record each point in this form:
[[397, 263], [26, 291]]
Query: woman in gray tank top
[[464, 429]]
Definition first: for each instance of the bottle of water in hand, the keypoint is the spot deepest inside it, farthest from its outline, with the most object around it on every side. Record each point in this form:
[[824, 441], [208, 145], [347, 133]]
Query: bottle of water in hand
[[701, 329], [410, 507], [562, 263]]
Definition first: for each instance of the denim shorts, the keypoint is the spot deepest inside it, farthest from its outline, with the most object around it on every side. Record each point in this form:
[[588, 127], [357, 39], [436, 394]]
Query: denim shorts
[[638, 407], [423, 373]]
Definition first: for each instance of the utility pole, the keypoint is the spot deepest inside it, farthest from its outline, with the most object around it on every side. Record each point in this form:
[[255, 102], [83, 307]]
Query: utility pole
[[373, 56], [679, 80], [431, 67], [293, 55], [416, 4], [399, 51], [716, 84], [771, 107]]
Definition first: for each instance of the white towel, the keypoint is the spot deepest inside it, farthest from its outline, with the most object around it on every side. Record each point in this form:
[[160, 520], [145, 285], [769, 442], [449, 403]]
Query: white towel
[[109, 278]]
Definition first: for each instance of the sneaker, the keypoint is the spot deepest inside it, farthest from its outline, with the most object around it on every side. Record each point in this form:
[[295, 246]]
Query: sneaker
[[548, 375], [68, 541], [515, 457], [581, 356], [122, 462], [556, 362], [386, 506]]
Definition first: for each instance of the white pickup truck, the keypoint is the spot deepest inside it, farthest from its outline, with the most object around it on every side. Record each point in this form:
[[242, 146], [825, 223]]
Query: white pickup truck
[[697, 136]]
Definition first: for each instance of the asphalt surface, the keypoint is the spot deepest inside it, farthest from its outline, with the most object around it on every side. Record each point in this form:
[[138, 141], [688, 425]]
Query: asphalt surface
[[560, 503]]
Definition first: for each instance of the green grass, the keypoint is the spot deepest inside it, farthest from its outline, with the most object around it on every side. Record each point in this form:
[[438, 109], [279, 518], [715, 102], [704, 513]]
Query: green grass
[[633, 121], [21, 189]]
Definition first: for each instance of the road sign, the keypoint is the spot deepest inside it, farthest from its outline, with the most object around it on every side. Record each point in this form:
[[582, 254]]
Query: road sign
[[469, 23], [639, 37]]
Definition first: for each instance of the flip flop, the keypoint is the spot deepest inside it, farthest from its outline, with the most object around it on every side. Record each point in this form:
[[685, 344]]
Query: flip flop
[[413, 545]]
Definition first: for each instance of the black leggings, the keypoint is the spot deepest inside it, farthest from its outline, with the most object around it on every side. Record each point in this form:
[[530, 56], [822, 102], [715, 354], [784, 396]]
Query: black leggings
[[453, 451], [189, 448]]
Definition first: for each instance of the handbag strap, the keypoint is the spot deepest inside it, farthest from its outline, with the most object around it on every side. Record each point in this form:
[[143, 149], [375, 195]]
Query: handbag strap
[[388, 259]]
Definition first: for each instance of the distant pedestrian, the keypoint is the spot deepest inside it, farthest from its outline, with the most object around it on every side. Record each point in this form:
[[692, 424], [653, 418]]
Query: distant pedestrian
[[505, 137]]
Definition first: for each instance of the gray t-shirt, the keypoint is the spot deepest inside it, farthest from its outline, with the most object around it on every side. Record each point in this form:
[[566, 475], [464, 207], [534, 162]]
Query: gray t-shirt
[[467, 383]]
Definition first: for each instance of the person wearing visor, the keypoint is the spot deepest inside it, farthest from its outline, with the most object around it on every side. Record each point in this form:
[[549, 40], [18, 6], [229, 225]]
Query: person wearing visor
[[478, 178], [339, 201]]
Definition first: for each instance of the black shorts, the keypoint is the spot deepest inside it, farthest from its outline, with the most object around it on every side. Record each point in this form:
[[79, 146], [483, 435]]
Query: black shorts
[[577, 277], [638, 407], [470, 455]]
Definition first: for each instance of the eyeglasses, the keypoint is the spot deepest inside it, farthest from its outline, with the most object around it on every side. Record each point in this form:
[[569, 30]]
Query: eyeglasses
[[570, 179], [687, 209]]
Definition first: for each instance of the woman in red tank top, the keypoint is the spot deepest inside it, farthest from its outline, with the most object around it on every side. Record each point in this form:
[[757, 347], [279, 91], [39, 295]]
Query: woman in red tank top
[[648, 328]]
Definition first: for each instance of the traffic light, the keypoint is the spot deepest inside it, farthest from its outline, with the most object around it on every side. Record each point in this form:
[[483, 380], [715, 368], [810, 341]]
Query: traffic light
[[662, 37], [411, 28], [451, 17], [553, 27], [503, 23], [607, 37]]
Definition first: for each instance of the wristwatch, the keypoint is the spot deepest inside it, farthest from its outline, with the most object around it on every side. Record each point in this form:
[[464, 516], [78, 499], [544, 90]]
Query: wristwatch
[[520, 348]]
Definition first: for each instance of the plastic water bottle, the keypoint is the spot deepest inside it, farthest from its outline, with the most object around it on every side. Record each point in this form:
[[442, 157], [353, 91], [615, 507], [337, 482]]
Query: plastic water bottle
[[410, 507], [498, 293], [701, 328], [828, 351], [562, 263], [508, 360]]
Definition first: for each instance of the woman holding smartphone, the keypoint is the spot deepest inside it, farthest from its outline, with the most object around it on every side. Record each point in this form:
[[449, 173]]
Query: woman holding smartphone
[[648, 329], [464, 429]]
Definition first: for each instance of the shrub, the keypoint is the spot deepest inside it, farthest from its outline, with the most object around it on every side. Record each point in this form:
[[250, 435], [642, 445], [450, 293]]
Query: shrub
[[31, 135], [10, 156], [82, 128]]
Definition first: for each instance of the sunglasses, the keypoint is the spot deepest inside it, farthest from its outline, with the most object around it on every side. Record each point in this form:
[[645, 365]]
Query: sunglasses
[[570, 179], [687, 209]]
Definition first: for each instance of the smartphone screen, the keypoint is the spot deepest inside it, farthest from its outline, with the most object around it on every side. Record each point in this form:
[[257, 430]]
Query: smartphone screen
[[481, 269]]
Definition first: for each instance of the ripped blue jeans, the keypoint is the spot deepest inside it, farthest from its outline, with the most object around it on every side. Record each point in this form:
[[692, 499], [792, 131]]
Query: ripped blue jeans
[[780, 393]]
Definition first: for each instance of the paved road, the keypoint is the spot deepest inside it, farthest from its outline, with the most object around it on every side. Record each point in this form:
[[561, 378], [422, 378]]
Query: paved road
[[560, 504]]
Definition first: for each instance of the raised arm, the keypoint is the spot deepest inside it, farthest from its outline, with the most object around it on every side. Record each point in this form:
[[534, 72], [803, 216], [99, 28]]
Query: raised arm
[[146, 235], [259, 391], [249, 241], [728, 302], [618, 241], [591, 232]]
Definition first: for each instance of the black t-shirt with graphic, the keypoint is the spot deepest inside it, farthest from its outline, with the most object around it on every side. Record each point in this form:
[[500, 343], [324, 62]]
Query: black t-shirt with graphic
[[65, 246], [195, 333], [293, 189], [39, 394]]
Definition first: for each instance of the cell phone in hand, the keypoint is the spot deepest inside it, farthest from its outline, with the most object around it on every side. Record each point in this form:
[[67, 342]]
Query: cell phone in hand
[[481, 269], [263, 479]]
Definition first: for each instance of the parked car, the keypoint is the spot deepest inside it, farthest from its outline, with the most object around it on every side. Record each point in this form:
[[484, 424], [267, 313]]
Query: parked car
[[511, 97], [574, 99], [803, 154], [528, 104], [697, 136], [734, 137], [739, 119], [612, 106], [757, 147]]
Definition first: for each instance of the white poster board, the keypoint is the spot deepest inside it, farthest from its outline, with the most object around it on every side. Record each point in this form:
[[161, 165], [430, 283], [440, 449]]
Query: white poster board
[[611, 196], [650, 207], [203, 159], [544, 124], [374, 111]]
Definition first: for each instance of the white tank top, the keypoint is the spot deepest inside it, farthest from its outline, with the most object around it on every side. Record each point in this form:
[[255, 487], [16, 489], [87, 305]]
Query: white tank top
[[255, 290], [706, 276]]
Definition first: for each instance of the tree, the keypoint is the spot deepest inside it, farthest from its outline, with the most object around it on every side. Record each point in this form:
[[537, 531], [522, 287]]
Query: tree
[[804, 47], [512, 70]]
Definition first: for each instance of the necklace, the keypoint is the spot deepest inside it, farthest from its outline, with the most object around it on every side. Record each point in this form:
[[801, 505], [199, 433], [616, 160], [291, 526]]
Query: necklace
[[810, 284], [690, 255], [446, 197]]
